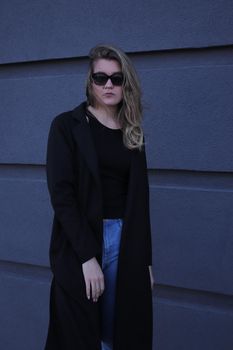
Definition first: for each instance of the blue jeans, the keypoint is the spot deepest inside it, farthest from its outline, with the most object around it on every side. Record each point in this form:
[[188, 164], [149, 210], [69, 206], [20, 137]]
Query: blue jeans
[[111, 244]]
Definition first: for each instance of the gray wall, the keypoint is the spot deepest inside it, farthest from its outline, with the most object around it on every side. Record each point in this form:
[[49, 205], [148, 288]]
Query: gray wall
[[182, 52]]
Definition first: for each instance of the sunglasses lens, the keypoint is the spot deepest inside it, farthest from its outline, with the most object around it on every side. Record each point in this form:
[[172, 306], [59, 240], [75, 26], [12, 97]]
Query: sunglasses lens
[[101, 79], [117, 79]]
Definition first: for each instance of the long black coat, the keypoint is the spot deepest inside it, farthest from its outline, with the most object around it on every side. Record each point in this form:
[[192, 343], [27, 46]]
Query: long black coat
[[74, 186]]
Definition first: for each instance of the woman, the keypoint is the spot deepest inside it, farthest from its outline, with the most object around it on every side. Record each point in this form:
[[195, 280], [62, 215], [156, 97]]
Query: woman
[[100, 249]]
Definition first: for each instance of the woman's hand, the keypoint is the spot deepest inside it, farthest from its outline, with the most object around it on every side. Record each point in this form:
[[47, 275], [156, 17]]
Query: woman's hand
[[94, 279], [152, 281]]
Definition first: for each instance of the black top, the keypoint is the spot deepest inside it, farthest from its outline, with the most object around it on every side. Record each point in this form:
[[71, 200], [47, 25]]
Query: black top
[[114, 163]]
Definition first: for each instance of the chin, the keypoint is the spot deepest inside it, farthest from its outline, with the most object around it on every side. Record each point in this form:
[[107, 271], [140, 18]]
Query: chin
[[111, 102], [108, 102]]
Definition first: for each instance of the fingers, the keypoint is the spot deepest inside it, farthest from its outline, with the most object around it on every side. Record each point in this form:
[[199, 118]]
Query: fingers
[[95, 291], [152, 285], [152, 281], [94, 279], [97, 288], [94, 288], [88, 289]]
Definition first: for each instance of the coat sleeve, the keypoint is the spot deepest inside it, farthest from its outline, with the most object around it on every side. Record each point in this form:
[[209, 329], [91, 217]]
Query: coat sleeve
[[147, 211], [61, 185]]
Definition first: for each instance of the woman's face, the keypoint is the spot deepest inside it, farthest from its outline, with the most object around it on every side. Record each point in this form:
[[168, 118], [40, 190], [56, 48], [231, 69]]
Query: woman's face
[[108, 95]]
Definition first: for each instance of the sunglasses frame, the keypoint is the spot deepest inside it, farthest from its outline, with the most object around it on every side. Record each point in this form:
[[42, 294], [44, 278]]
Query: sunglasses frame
[[107, 77]]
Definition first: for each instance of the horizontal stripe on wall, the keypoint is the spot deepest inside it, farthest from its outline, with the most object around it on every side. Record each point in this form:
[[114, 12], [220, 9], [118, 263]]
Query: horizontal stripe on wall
[[187, 111], [25, 221], [188, 326], [43, 30], [192, 238], [24, 305]]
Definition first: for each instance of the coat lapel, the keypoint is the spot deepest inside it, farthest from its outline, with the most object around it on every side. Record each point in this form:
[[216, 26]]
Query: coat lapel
[[83, 137]]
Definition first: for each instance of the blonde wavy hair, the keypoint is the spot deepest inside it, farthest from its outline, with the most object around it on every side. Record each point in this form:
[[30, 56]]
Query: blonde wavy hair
[[130, 108]]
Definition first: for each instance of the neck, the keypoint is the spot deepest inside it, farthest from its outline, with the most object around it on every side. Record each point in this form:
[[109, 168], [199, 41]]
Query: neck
[[105, 112], [106, 115]]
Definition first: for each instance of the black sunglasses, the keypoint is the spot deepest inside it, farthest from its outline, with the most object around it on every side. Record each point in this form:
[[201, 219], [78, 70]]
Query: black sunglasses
[[102, 78]]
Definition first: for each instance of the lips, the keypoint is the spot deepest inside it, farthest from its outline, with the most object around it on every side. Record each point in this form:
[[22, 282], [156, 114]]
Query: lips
[[109, 94]]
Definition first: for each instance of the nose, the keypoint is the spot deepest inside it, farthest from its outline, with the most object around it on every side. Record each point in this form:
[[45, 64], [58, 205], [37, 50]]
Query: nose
[[109, 84]]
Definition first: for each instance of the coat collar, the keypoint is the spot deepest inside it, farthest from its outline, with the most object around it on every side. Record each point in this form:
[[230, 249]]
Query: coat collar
[[79, 112], [83, 137]]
